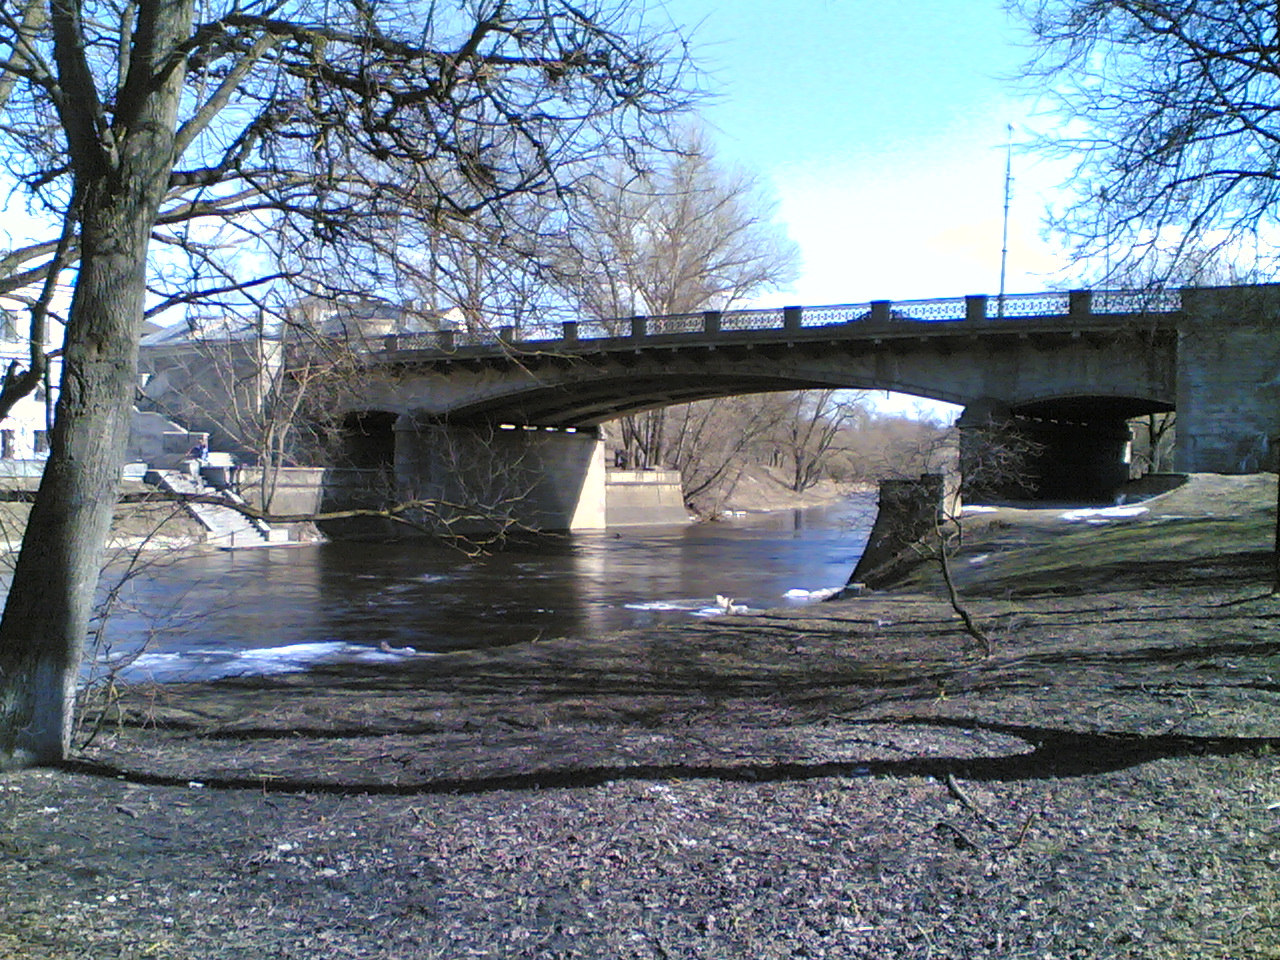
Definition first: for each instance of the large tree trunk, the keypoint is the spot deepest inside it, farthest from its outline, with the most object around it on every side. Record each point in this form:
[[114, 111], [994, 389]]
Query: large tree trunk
[[50, 602], [118, 187]]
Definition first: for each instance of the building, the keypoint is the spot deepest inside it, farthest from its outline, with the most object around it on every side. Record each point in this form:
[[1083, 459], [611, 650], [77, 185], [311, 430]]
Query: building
[[240, 379], [24, 433]]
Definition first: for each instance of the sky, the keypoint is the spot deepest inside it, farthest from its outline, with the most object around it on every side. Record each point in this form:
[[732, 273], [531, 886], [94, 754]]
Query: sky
[[881, 127]]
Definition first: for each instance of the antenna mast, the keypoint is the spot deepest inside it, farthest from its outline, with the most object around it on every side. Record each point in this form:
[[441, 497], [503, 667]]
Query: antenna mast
[[1004, 239]]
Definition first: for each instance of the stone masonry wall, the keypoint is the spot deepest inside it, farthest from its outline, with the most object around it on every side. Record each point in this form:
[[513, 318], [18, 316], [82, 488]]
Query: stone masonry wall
[[1229, 380]]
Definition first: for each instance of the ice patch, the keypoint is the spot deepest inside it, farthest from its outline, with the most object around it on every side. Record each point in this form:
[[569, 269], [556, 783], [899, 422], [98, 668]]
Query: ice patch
[[736, 609], [696, 608], [977, 509], [1102, 514], [797, 593]]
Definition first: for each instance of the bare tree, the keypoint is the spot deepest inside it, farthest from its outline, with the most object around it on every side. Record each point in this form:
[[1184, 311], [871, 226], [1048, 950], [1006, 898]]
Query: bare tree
[[1153, 437], [810, 433], [710, 442], [271, 388], [683, 236], [321, 121], [1170, 115]]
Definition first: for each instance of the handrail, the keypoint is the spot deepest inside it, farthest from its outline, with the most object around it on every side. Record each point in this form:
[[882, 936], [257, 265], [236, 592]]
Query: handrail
[[1075, 304]]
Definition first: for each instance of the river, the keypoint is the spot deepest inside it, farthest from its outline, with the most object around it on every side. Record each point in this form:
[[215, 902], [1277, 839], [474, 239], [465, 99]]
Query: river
[[199, 617]]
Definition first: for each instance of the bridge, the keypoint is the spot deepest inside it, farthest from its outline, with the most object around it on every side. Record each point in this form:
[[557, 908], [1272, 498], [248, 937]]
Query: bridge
[[449, 411], [958, 350]]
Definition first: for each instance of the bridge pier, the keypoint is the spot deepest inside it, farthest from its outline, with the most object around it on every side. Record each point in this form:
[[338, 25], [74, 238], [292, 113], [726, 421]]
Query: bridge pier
[[471, 480], [484, 477]]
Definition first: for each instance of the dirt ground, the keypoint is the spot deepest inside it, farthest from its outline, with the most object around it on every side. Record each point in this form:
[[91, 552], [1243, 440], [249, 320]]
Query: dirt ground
[[851, 779]]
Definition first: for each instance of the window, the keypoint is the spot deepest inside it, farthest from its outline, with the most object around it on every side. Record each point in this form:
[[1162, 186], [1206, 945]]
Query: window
[[8, 327], [6, 445], [40, 439]]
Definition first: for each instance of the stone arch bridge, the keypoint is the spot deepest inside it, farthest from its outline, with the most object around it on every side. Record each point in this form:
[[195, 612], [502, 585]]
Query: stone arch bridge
[[1070, 368]]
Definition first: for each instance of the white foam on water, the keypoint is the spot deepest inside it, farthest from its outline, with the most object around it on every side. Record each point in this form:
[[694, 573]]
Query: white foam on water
[[709, 612], [213, 664], [687, 606], [726, 607], [1102, 514], [974, 508]]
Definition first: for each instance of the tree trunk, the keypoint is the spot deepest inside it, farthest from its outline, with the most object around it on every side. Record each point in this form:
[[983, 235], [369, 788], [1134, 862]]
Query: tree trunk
[[50, 602], [118, 185]]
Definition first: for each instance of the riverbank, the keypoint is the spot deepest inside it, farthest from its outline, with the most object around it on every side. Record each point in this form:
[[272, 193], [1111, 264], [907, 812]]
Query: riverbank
[[761, 489], [843, 780]]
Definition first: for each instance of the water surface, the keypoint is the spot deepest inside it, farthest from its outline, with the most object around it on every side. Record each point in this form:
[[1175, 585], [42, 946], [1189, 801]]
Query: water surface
[[266, 610]]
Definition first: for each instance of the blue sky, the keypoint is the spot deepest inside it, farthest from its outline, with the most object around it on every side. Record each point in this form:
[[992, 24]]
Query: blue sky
[[880, 126]]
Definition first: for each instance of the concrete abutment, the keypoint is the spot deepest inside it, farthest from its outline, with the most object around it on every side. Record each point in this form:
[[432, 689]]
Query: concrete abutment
[[1228, 380], [463, 480]]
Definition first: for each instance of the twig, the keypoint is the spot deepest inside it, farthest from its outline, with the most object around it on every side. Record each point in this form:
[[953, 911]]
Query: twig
[[961, 839], [1269, 595], [954, 786], [1022, 834]]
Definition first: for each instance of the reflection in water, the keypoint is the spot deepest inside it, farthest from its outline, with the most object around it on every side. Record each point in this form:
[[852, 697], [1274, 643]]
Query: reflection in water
[[258, 611]]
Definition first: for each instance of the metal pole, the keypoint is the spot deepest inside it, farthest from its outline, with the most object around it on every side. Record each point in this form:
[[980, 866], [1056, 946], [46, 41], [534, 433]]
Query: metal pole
[[1004, 239]]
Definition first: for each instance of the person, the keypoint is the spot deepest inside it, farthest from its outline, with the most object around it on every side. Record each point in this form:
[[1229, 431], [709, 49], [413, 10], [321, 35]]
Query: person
[[196, 457]]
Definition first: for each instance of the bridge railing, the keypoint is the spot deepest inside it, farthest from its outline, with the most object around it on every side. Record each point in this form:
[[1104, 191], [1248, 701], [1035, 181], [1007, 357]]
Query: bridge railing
[[1137, 301], [1019, 306]]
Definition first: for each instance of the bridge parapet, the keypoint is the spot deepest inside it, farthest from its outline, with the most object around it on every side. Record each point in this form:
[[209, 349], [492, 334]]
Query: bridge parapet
[[1077, 304]]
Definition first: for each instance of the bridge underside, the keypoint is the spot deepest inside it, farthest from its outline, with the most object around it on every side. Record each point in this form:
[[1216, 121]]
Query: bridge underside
[[591, 404], [1064, 448], [956, 366]]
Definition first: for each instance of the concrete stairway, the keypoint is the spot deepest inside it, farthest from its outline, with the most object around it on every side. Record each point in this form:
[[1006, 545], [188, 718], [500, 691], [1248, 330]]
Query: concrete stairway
[[228, 528]]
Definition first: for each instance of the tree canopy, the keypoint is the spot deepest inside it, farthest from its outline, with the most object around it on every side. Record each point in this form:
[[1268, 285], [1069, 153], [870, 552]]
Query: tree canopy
[[331, 133], [1171, 114]]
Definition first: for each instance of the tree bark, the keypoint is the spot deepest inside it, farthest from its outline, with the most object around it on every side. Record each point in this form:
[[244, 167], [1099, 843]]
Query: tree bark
[[51, 600], [120, 177]]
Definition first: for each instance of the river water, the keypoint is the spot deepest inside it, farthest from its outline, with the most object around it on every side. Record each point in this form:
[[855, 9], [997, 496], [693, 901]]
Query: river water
[[277, 609]]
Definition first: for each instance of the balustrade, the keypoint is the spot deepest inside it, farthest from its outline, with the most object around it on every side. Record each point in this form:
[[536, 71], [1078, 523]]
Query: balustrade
[[1075, 305]]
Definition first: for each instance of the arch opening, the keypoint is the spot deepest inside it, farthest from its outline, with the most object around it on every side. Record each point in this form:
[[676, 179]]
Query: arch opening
[[367, 440], [1075, 448]]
